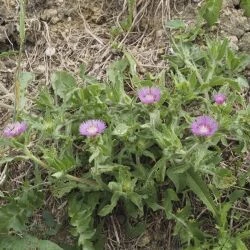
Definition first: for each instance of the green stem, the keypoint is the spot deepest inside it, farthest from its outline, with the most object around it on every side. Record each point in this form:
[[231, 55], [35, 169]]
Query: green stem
[[68, 176]]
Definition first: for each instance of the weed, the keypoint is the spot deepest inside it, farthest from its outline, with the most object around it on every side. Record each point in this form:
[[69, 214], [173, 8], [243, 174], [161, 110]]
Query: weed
[[140, 144]]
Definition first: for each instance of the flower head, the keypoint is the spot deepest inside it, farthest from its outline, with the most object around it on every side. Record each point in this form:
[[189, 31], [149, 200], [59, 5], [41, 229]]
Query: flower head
[[92, 128], [219, 98], [149, 95], [204, 126], [14, 129]]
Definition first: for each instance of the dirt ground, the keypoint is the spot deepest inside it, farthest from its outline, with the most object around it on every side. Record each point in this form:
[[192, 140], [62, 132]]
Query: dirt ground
[[63, 34]]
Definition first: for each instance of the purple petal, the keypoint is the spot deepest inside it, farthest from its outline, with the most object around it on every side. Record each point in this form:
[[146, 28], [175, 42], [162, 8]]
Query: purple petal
[[149, 95], [92, 128], [204, 126], [219, 98], [15, 129]]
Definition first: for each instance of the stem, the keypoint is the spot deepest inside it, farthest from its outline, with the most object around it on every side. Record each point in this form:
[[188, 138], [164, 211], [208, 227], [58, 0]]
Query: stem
[[68, 176], [18, 69]]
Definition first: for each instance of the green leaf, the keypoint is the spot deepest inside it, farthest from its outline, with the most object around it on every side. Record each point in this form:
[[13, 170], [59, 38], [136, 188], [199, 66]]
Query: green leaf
[[155, 118], [158, 171], [210, 11], [243, 82], [175, 24], [61, 163], [245, 5], [116, 77], [109, 208], [136, 199], [132, 63], [81, 211], [223, 178], [15, 213], [10, 159], [62, 187], [240, 245], [168, 197], [63, 83], [199, 187], [177, 175], [23, 80], [133, 231], [121, 129], [27, 242], [45, 100], [86, 78], [220, 81]]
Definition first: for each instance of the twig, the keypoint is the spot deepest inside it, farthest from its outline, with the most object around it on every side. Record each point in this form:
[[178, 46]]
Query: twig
[[87, 29], [6, 106], [241, 209], [3, 89], [3, 175]]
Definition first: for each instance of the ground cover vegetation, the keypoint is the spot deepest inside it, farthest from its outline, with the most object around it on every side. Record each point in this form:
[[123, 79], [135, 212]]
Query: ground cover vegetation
[[175, 143]]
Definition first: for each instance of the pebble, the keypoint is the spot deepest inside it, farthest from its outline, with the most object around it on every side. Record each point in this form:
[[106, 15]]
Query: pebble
[[48, 14], [50, 51], [233, 41], [244, 43]]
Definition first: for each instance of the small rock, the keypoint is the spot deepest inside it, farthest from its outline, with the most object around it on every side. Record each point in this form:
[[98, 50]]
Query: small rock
[[227, 3], [48, 14], [144, 240], [236, 26], [55, 20], [50, 51], [40, 69], [233, 41], [236, 2], [159, 33], [2, 34], [244, 43]]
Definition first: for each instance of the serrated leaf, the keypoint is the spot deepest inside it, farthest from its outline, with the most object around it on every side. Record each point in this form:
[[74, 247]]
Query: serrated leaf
[[197, 185], [116, 77], [178, 176], [26, 242], [15, 213], [109, 208], [240, 245], [120, 129], [220, 81], [23, 80], [135, 230], [210, 11], [132, 63], [81, 211], [243, 82], [45, 99], [245, 5], [175, 24], [63, 83], [168, 197]]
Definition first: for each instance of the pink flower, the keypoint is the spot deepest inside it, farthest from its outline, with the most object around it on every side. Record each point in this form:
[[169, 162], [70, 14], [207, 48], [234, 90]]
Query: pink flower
[[204, 126], [219, 98], [149, 95], [14, 129], [92, 128]]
